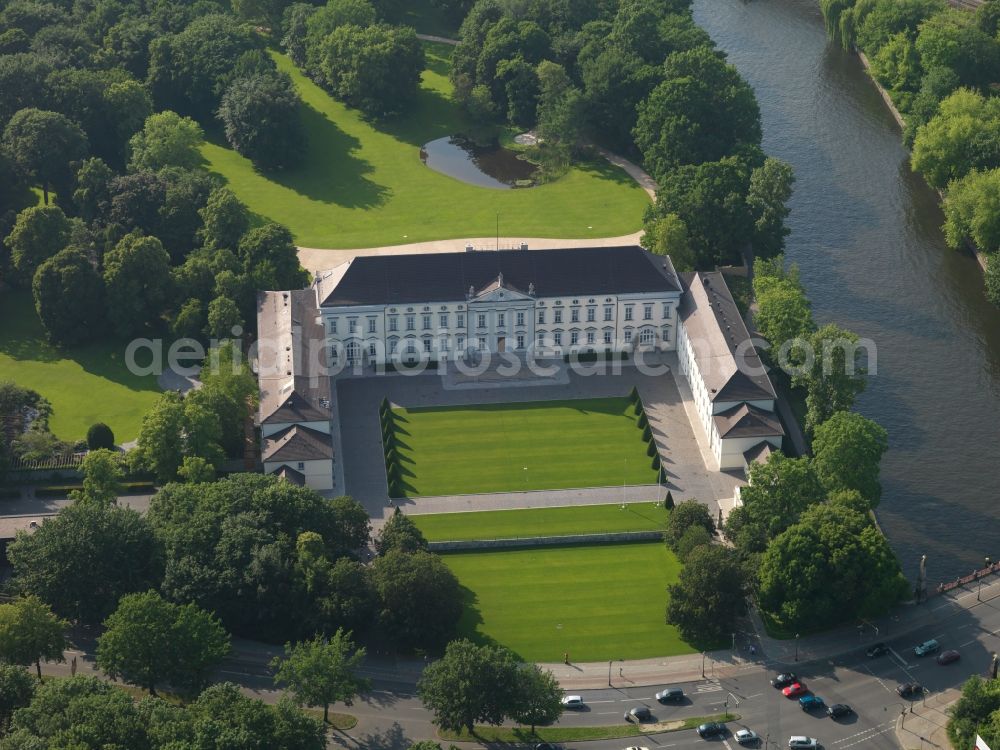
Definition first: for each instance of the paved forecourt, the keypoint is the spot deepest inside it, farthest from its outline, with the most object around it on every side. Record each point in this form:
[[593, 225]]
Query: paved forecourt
[[682, 451]]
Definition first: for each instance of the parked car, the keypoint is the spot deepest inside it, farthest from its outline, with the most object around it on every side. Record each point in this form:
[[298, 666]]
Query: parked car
[[927, 647], [712, 729], [747, 737], [784, 680], [879, 649], [839, 710], [547, 746], [572, 701], [641, 713], [670, 695], [949, 656], [798, 741], [811, 702], [794, 690], [910, 690]]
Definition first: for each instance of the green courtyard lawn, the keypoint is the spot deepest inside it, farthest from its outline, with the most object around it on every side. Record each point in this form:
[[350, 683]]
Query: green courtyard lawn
[[593, 602], [363, 184], [85, 384], [562, 521], [540, 445]]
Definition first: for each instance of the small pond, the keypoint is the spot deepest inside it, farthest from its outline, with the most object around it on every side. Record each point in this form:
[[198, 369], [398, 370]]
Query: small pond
[[486, 166]]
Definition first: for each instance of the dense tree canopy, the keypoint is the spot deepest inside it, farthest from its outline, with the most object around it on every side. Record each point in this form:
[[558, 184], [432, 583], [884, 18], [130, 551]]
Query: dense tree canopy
[[166, 140], [83, 560], [710, 594], [419, 599], [964, 135], [148, 641], [777, 494], [44, 144], [231, 548], [29, 633], [832, 566], [38, 234], [321, 671], [137, 280], [260, 115], [977, 711], [69, 297], [702, 111], [848, 449]]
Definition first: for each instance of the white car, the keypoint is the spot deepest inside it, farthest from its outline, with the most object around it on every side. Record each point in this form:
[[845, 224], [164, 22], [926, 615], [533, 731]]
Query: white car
[[572, 701], [747, 737], [798, 741]]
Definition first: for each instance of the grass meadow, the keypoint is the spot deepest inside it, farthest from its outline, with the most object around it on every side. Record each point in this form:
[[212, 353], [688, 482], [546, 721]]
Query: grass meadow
[[85, 384], [363, 184], [562, 521], [594, 602], [543, 445]]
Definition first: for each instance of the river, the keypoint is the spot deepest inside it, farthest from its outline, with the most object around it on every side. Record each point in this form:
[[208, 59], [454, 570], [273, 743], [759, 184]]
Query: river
[[865, 234]]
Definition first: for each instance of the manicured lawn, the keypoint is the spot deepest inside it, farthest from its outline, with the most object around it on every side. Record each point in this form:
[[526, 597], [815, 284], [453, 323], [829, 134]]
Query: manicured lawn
[[593, 602], [538, 445], [364, 185], [84, 384], [576, 519]]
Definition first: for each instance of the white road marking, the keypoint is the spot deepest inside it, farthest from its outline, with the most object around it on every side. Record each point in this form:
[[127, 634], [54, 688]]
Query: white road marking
[[877, 678], [868, 738], [755, 695], [873, 731]]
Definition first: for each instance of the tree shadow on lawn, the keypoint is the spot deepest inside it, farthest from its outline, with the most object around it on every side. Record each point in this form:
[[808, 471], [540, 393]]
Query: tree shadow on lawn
[[431, 115], [329, 173], [22, 338], [472, 618], [601, 168]]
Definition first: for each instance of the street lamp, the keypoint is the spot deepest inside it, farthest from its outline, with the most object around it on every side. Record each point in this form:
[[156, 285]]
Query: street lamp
[[609, 672], [979, 593], [902, 712], [702, 663], [796, 647]]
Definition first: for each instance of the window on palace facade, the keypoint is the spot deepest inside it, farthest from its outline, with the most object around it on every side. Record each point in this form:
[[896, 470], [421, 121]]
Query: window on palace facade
[[608, 312], [647, 337], [574, 338], [371, 349], [371, 325], [427, 322], [411, 322], [558, 314], [393, 323], [628, 337], [607, 337], [444, 343], [352, 325], [591, 314], [481, 321], [427, 345], [628, 313], [520, 341], [541, 316], [460, 343], [520, 318], [482, 343], [647, 312], [558, 338], [333, 325], [590, 337], [574, 316], [501, 320], [666, 310]]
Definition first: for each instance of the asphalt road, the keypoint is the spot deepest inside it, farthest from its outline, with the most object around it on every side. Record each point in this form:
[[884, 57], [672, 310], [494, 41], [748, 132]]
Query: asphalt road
[[391, 716]]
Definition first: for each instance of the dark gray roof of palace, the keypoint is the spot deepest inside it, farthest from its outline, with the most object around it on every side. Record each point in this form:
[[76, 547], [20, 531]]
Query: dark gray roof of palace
[[439, 277]]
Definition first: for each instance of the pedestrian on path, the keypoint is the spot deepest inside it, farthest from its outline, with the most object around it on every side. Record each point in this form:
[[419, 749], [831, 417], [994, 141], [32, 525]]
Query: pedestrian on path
[[566, 657]]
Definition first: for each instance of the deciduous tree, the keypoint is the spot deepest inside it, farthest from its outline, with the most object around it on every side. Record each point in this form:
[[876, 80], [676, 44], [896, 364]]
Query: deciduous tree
[[166, 140], [767, 199], [44, 144], [30, 632], [709, 596], [137, 280], [69, 297], [102, 477], [847, 450], [322, 671], [260, 116], [82, 561], [149, 641], [400, 533], [836, 375], [38, 234]]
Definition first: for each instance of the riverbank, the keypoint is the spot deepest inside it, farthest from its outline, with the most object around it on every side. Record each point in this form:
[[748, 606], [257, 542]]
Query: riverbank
[[900, 120]]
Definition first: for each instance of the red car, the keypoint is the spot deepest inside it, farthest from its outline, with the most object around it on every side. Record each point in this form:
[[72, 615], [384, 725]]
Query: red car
[[794, 690], [947, 657]]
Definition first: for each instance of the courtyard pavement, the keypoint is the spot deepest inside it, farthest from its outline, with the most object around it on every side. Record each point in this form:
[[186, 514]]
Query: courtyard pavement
[[682, 444]]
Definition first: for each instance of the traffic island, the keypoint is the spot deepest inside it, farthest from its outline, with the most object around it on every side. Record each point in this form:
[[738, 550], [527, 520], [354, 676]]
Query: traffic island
[[485, 734]]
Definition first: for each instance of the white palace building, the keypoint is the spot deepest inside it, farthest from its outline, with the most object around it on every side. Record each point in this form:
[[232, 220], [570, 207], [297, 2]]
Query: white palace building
[[374, 311]]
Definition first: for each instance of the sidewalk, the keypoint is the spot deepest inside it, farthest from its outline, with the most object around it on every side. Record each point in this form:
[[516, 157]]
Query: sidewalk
[[922, 727], [903, 619]]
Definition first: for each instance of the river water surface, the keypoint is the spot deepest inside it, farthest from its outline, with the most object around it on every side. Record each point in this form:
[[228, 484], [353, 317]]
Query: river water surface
[[865, 234]]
